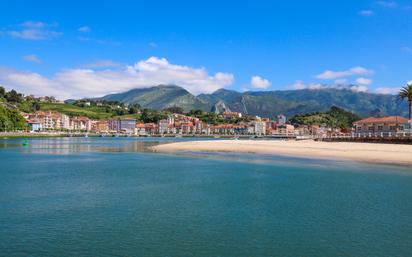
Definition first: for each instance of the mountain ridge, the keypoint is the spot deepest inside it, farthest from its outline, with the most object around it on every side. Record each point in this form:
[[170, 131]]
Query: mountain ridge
[[264, 103]]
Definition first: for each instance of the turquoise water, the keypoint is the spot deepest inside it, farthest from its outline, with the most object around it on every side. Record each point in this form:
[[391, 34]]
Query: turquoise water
[[110, 197]]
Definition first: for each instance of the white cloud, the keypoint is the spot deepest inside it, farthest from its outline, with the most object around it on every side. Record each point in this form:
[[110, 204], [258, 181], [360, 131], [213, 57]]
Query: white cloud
[[34, 30], [77, 83], [153, 45], [84, 29], [314, 86], [32, 58], [364, 81], [259, 82], [387, 90], [359, 88], [329, 74], [366, 13], [298, 85]]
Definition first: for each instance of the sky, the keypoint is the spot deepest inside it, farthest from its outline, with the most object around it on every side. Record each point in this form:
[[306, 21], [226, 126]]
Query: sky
[[74, 49]]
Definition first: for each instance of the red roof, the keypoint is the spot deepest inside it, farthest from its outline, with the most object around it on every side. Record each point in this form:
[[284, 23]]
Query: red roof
[[388, 119]]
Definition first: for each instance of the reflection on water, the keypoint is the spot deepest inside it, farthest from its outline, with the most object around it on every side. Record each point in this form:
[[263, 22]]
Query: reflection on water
[[78, 145], [78, 196], [66, 146]]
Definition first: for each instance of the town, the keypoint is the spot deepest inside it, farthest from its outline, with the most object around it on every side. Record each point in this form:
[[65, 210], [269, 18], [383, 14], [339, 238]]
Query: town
[[48, 116], [182, 125]]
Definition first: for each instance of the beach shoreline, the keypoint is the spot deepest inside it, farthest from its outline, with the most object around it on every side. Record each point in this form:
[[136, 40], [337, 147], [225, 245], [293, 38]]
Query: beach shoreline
[[361, 152]]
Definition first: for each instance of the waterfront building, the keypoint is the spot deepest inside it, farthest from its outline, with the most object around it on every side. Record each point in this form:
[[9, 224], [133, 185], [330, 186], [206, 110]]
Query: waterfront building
[[100, 126], [223, 129], [127, 125], [382, 127], [285, 130], [281, 119], [140, 129], [81, 124], [259, 127], [198, 127], [44, 118], [205, 129], [114, 125], [150, 128], [232, 115], [163, 126], [35, 126], [64, 121]]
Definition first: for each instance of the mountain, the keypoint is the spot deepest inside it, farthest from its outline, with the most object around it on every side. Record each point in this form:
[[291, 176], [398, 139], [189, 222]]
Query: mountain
[[265, 103], [160, 97]]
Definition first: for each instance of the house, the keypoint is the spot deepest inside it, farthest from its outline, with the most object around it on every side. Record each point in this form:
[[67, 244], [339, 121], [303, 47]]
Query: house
[[150, 128], [164, 126], [113, 125], [259, 127], [223, 129], [81, 124], [127, 125], [285, 130], [231, 115], [35, 126], [140, 129], [44, 118], [382, 127], [100, 126], [281, 119]]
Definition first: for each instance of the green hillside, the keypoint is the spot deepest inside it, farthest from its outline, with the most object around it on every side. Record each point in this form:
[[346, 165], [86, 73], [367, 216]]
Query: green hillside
[[160, 97], [335, 118], [266, 103], [92, 112]]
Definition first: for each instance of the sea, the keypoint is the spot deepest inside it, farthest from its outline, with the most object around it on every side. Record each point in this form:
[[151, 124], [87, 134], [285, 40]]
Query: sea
[[116, 197]]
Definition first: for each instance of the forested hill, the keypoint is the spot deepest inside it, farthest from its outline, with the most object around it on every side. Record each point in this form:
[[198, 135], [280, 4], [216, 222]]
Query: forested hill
[[265, 103]]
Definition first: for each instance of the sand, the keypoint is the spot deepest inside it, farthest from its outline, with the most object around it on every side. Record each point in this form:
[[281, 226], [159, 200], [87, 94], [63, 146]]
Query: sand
[[363, 152]]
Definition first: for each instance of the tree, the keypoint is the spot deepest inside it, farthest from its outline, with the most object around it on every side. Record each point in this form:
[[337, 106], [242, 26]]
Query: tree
[[133, 110], [11, 120], [152, 116], [175, 109], [36, 106], [406, 94], [14, 97], [2, 92]]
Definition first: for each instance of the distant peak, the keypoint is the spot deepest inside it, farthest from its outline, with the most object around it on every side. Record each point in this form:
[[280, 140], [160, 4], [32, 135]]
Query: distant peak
[[223, 90]]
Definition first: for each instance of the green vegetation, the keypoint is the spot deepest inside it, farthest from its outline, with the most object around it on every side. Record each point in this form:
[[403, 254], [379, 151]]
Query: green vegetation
[[175, 109], [406, 94], [11, 119], [213, 118], [335, 118], [149, 115], [92, 112], [265, 103]]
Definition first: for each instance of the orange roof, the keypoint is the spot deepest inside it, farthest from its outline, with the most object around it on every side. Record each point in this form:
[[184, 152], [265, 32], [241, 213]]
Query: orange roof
[[388, 119]]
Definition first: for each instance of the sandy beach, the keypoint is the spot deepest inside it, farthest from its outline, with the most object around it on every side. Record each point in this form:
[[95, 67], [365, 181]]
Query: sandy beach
[[364, 152]]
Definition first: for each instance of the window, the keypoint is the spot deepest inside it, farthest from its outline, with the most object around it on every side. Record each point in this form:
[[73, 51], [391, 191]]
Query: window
[[393, 128], [371, 128], [380, 128]]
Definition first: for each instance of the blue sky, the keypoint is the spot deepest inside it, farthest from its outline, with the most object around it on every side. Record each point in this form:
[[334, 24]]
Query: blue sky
[[77, 49]]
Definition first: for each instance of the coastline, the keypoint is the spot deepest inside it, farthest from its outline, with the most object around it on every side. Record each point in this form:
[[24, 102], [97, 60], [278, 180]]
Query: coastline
[[361, 152]]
